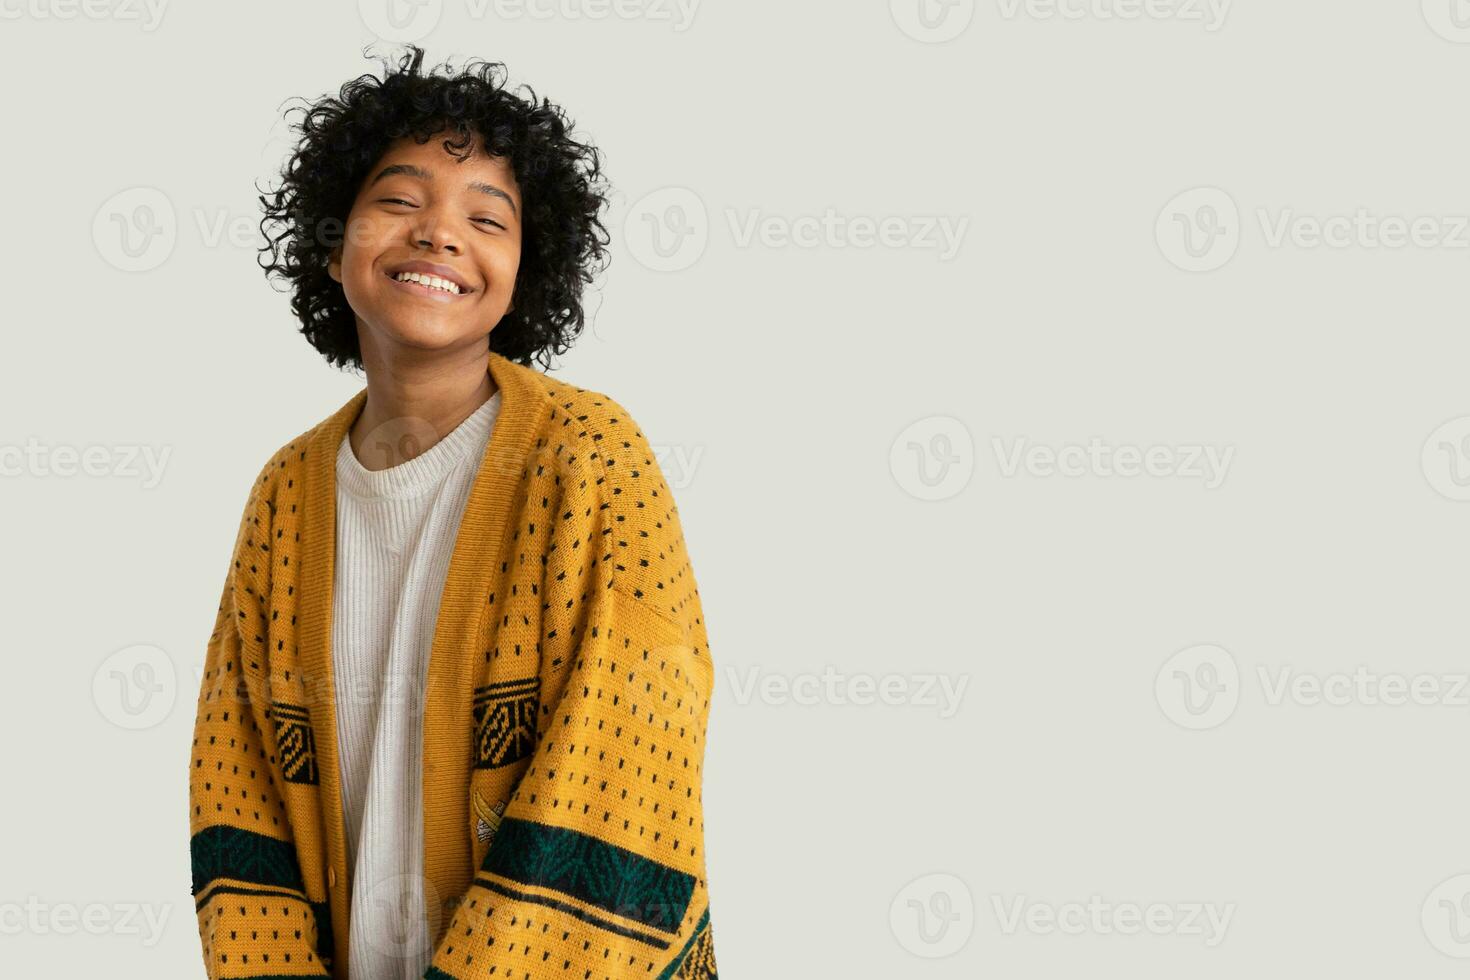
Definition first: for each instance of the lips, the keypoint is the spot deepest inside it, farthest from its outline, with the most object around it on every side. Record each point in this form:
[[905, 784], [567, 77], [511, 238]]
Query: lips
[[431, 270], [426, 285]]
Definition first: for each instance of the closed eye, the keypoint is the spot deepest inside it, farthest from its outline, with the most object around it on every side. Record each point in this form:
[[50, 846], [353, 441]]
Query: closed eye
[[490, 221]]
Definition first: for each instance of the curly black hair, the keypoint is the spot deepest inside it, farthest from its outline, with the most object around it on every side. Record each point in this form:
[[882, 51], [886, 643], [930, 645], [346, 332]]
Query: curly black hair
[[563, 241]]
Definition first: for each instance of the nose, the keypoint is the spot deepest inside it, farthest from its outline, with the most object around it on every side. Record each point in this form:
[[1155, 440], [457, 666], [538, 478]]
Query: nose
[[433, 232]]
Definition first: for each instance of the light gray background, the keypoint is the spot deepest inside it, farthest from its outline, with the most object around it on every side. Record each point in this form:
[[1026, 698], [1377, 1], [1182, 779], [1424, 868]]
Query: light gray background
[[806, 397]]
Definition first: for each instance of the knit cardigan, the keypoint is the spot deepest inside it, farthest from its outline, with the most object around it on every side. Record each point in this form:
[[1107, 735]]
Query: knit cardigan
[[564, 716]]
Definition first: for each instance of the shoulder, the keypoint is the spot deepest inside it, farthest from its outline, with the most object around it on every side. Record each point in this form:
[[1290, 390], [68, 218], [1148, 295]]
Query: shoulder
[[602, 431], [637, 511], [274, 500], [281, 473]]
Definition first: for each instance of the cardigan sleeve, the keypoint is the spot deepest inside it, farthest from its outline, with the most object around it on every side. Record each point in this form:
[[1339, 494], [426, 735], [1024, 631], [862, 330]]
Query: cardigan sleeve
[[597, 868], [255, 918]]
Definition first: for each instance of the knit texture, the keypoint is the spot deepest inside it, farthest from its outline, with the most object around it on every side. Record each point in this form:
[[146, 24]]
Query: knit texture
[[395, 537], [564, 716]]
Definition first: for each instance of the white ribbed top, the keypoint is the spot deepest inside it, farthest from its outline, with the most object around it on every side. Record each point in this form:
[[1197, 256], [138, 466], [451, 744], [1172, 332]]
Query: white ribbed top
[[395, 536]]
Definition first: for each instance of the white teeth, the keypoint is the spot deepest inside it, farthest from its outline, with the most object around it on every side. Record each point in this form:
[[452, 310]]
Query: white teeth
[[433, 282]]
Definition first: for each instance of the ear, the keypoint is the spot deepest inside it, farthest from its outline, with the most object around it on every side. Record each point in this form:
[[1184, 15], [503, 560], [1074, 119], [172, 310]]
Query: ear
[[334, 263]]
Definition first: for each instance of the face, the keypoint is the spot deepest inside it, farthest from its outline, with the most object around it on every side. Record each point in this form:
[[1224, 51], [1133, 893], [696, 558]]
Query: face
[[424, 220]]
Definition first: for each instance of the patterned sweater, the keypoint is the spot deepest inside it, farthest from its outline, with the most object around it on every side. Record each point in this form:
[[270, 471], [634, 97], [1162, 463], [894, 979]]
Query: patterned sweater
[[564, 716]]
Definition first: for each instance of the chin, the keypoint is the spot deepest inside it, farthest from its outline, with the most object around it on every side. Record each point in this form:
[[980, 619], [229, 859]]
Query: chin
[[425, 332]]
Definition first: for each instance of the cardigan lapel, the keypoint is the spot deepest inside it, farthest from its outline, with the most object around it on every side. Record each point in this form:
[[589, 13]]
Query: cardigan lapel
[[447, 695]]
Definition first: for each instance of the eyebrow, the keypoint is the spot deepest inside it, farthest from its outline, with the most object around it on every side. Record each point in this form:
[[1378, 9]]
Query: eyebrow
[[409, 170]]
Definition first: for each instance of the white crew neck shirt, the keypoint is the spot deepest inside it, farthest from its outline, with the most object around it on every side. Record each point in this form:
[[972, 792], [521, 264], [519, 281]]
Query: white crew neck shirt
[[396, 530]]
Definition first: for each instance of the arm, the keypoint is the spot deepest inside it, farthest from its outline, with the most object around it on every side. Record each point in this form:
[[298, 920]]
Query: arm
[[255, 919], [597, 869]]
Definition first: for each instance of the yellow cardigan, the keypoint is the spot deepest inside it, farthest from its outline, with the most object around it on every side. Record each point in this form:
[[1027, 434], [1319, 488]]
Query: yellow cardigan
[[564, 717]]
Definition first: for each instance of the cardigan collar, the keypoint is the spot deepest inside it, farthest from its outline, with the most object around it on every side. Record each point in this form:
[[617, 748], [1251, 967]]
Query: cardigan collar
[[446, 707]]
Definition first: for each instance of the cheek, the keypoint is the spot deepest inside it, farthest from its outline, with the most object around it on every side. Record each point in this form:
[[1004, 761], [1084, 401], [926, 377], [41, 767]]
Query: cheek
[[504, 267], [364, 240]]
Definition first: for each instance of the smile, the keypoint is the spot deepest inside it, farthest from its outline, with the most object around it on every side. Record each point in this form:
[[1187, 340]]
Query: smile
[[431, 286]]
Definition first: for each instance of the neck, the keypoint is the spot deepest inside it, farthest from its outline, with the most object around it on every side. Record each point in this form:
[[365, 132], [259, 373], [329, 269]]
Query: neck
[[412, 403]]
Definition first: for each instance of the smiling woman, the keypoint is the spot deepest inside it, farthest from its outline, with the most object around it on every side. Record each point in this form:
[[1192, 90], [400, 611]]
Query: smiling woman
[[498, 546], [424, 199], [493, 182]]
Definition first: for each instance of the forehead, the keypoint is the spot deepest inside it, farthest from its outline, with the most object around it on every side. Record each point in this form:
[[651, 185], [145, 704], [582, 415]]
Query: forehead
[[443, 168]]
